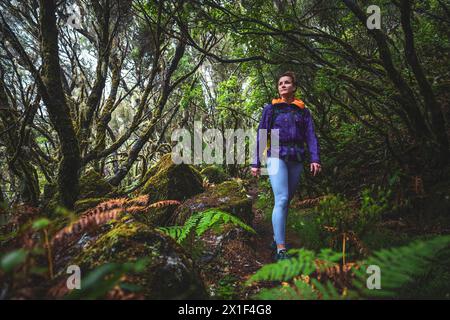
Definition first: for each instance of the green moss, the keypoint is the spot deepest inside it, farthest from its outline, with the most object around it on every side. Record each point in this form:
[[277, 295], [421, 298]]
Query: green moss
[[229, 196], [169, 181], [84, 204], [93, 187], [170, 274], [155, 217], [214, 174]]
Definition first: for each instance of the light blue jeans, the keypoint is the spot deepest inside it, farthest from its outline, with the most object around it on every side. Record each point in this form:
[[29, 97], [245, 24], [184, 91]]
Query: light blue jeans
[[284, 177]]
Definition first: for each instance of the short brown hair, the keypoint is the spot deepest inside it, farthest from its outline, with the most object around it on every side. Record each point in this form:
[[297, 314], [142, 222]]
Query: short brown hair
[[290, 74]]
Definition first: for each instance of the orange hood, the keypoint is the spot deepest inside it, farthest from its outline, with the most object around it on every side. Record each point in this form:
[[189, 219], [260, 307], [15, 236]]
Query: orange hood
[[299, 103]]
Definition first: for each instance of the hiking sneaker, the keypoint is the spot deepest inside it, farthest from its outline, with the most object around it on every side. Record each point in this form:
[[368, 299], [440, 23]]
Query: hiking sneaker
[[282, 255], [273, 246]]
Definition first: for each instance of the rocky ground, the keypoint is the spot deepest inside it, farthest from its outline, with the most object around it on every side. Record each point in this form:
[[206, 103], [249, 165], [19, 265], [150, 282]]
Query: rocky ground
[[108, 229]]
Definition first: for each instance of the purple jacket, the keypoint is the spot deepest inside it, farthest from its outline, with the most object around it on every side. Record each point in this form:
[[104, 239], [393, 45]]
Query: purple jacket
[[295, 126]]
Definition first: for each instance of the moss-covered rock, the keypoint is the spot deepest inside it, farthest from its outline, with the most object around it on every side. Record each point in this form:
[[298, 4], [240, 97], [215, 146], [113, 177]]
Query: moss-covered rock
[[169, 274], [170, 181], [215, 174], [229, 196], [167, 180], [93, 185], [93, 190], [85, 204]]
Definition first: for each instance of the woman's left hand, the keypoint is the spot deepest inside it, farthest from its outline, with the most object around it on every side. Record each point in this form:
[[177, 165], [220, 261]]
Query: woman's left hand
[[315, 168]]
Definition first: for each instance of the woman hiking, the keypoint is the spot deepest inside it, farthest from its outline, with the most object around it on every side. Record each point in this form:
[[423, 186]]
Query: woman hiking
[[295, 124]]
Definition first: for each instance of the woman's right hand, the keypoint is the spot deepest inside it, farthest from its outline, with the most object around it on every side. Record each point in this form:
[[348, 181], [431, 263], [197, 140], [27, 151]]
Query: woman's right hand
[[256, 172]]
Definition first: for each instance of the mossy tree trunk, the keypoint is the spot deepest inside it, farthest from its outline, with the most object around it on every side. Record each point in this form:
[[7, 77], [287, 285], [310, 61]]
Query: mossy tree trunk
[[102, 13], [2, 198], [106, 114], [57, 107]]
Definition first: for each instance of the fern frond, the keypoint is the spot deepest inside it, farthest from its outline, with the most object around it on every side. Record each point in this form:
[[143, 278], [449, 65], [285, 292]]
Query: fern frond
[[212, 217], [173, 232], [138, 201], [189, 225], [304, 262], [99, 215], [164, 203], [400, 266], [200, 222], [326, 291], [84, 223], [301, 290], [308, 203]]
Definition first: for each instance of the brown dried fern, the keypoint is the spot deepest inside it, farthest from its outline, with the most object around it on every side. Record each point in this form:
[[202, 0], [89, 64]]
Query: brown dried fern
[[308, 203], [164, 203], [337, 273], [104, 212]]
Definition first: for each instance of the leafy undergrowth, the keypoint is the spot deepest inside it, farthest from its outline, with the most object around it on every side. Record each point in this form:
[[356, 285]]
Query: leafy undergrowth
[[411, 250], [334, 241]]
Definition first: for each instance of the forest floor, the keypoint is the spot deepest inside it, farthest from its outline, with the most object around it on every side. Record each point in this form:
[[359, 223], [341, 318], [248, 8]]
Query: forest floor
[[243, 255]]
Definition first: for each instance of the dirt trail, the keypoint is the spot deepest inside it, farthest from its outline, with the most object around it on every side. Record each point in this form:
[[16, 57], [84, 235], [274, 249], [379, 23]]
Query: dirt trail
[[247, 257], [264, 230], [231, 258]]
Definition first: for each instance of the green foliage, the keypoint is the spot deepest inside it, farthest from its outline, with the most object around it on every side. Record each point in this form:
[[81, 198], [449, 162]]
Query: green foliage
[[105, 277], [229, 97], [200, 222], [380, 238], [227, 287], [335, 212], [13, 259], [335, 216], [372, 207], [41, 223], [402, 266], [302, 263], [401, 269], [301, 290], [265, 198], [306, 227]]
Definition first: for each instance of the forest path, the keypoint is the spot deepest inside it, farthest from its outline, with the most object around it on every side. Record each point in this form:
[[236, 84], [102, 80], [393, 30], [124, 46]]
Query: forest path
[[264, 229], [259, 245]]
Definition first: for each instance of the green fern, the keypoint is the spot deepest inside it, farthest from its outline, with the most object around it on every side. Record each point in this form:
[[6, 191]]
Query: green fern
[[303, 263], [299, 289], [399, 267], [200, 222], [173, 232]]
